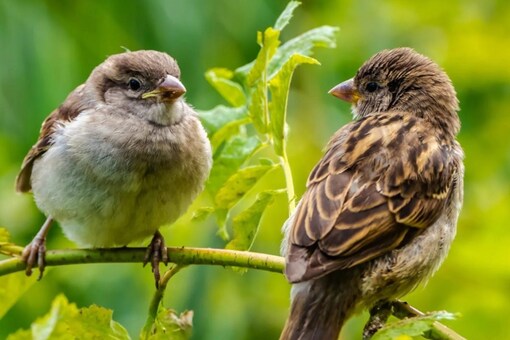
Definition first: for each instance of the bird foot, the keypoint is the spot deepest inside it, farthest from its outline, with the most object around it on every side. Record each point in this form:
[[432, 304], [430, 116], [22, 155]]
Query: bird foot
[[156, 253], [35, 253], [379, 314]]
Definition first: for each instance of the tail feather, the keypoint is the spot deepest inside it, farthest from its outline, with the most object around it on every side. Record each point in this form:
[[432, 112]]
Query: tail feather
[[320, 307]]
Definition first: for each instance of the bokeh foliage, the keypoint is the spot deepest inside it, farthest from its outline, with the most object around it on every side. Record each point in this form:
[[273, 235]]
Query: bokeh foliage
[[49, 47]]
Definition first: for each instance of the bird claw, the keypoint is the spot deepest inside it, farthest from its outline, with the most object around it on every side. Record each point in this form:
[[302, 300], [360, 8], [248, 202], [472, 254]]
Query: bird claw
[[156, 253], [35, 252]]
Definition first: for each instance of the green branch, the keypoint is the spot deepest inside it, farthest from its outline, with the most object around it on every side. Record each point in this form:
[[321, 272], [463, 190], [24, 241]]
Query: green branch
[[181, 257], [177, 255]]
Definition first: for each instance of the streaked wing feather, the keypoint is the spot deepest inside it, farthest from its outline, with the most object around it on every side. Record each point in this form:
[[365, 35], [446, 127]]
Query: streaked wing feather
[[364, 197]]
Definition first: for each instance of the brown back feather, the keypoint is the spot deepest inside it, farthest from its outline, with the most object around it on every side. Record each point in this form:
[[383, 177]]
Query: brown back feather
[[70, 109], [382, 178]]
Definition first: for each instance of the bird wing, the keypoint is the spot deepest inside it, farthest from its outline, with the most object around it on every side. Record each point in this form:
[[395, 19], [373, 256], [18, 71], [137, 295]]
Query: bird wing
[[70, 109], [383, 179]]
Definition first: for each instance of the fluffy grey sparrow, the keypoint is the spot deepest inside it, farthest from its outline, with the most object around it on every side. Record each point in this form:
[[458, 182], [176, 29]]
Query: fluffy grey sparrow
[[381, 207], [123, 155]]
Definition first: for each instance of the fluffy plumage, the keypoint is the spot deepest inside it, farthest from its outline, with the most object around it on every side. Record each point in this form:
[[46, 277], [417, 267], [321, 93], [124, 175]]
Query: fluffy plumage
[[381, 206], [122, 156]]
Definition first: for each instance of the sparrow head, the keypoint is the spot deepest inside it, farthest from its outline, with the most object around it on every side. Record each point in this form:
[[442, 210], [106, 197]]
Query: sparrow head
[[402, 80], [144, 83]]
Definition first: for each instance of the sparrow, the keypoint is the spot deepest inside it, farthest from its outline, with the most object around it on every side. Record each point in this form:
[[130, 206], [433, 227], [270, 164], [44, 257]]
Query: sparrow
[[123, 155], [380, 210]]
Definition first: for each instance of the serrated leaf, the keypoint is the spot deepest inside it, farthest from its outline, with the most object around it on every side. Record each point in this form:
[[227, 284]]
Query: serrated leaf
[[411, 327], [279, 86], [12, 287], [231, 91], [66, 321], [246, 224], [236, 187], [286, 15], [170, 326], [216, 118], [229, 159], [324, 36]]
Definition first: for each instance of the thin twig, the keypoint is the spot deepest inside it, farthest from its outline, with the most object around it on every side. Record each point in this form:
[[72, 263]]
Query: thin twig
[[402, 310], [158, 297], [439, 331]]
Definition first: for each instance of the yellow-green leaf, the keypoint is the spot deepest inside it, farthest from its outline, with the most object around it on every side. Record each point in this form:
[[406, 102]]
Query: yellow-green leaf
[[269, 42], [66, 321], [246, 224], [226, 131], [202, 213], [258, 106], [229, 159], [12, 287], [286, 15], [239, 184], [170, 326], [411, 327], [324, 36], [233, 93], [279, 87], [215, 119]]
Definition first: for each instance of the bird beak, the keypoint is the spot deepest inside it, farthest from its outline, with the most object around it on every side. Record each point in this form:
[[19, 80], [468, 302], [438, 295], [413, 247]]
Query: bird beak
[[346, 91], [169, 89]]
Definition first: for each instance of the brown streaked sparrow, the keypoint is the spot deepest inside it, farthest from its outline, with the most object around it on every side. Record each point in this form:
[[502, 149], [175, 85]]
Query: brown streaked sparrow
[[381, 207], [122, 156]]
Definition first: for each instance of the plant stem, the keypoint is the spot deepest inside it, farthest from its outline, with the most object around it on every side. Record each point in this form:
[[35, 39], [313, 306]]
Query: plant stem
[[289, 182], [178, 255], [439, 331], [158, 297], [402, 310]]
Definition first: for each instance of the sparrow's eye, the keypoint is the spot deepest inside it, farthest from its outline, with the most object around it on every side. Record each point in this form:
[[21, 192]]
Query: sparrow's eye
[[371, 87], [134, 84]]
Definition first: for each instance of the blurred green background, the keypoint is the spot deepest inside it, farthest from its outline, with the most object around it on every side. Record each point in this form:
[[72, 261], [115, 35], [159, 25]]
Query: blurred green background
[[49, 47]]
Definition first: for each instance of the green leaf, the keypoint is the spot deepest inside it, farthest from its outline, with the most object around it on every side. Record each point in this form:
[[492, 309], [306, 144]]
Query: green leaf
[[256, 79], [66, 321], [170, 326], [411, 327], [229, 159], [265, 161], [201, 214], [221, 219], [228, 130], [286, 15], [246, 224], [269, 42], [239, 184], [12, 287], [279, 86], [216, 118], [324, 36], [258, 106], [219, 78]]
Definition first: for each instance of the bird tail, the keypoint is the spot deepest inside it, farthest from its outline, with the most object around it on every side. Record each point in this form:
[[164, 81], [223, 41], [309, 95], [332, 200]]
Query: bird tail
[[319, 309]]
